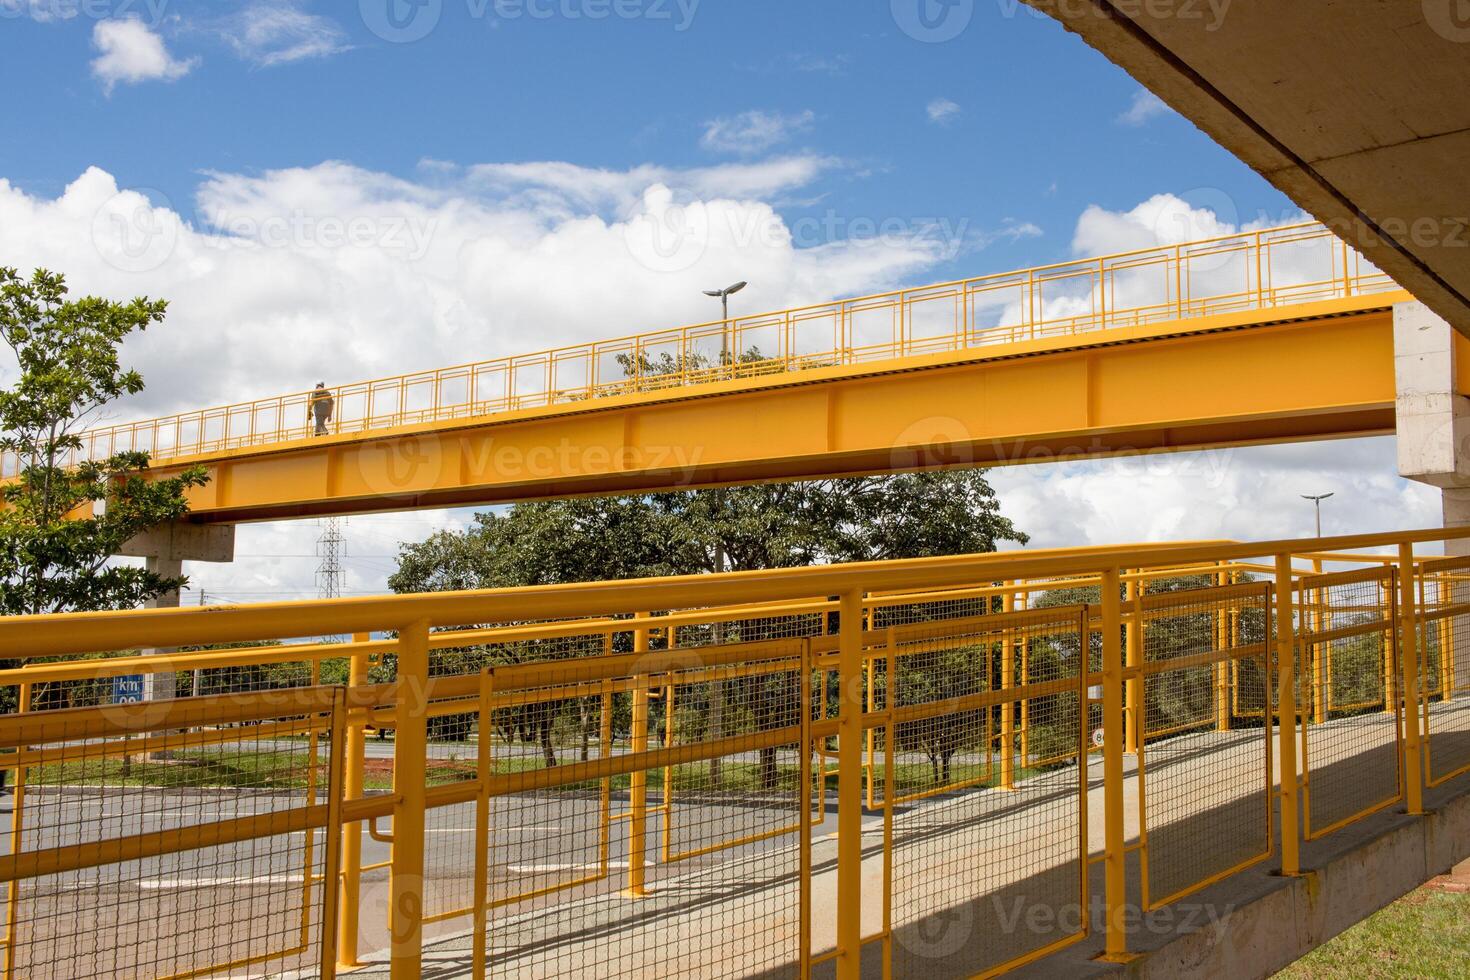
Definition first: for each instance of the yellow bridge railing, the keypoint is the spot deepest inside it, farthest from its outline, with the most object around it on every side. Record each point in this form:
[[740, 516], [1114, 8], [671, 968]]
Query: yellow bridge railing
[[1248, 271], [635, 778]]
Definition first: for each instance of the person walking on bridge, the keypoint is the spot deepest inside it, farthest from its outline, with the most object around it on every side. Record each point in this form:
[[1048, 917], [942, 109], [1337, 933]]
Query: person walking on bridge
[[320, 407]]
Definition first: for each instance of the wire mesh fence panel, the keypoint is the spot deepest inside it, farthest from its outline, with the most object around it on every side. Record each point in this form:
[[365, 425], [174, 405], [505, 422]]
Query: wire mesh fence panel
[[1351, 732], [1204, 786], [1445, 640], [587, 872], [988, 847], [185, 839], [726, 706], [120, 676], [537, 734]]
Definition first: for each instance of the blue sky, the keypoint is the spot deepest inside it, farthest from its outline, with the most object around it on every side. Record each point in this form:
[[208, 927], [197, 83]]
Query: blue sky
[[500, 158], [1039, 130]]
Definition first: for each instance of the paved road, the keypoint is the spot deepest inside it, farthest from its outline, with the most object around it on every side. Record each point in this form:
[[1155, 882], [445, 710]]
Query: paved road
[[731, 912]]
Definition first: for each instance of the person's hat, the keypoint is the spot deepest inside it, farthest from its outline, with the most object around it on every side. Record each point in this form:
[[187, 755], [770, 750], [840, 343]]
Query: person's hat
[[321, 384]]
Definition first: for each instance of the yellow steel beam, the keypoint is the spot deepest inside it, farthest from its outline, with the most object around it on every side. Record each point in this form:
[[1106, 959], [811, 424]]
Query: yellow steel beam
[[1227, 379], [27, 637]]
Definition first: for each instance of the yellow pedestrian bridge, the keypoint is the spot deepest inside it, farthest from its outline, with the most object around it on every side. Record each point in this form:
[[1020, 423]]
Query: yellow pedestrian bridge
[[1263, 336], [941, 767]]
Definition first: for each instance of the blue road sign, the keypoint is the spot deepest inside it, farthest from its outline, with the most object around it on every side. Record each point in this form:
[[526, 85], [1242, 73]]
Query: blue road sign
[[127, 689]]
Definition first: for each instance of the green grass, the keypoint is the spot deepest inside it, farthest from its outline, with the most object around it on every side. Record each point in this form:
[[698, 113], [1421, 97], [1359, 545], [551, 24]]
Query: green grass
[[287, 769], [183, 770], [1424, 934]]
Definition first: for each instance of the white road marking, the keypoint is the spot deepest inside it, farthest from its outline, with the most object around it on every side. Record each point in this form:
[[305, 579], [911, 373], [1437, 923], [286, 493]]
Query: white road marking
[[220, 882], [525, 830], [527, 869]]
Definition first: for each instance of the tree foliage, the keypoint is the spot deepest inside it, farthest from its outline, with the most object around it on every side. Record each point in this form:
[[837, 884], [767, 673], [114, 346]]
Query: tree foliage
[[55, 540], [698, 531], [680, 533]]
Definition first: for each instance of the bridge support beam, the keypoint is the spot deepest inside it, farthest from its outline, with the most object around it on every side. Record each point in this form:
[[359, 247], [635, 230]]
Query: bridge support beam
[[165, 549], [1431, 376]]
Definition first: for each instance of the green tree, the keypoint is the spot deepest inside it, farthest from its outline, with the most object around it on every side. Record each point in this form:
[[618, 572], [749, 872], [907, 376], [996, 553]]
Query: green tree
[[55, 542], [697, 531]]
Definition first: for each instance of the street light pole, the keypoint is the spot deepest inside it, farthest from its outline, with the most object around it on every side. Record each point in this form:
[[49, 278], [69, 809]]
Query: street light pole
[[724, 297], [1317, 503]]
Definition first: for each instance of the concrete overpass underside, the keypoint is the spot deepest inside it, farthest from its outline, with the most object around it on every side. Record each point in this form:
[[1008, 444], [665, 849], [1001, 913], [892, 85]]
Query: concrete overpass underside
[[1355, 109]]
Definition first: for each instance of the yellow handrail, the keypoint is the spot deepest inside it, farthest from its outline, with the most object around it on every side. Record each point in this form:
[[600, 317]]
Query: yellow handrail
[[1080, 296]]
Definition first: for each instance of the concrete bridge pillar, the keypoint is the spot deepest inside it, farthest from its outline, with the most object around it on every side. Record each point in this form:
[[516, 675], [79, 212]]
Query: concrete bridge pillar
[[165, 549], [1432, 375]]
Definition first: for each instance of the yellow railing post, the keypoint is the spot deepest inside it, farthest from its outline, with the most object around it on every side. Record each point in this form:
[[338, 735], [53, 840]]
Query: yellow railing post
[[354, 749], [1133, 655], [1024, 600], [1115, 882], [1390, 662], [484, 769], [410, 748], [850, 788], [1223, 641], [638, 779], [1286, 708], [1007, 708], [1409, 665], [1319, 650], [1446, 640], [17, 831]]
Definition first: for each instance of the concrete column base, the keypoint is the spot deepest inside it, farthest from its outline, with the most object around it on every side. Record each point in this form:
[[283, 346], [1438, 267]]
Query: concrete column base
[[1432, 416]]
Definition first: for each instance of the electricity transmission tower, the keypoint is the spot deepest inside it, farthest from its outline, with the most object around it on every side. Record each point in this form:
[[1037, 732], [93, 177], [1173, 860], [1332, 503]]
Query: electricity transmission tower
[[329, 574]]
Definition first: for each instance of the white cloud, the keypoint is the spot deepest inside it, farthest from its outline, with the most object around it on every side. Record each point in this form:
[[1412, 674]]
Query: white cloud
[[942, 111], [754, 131], [1244, 494], [338, 273], [1247, 494], [1144, 106], [341, 273], [129, 53], [276, 32]]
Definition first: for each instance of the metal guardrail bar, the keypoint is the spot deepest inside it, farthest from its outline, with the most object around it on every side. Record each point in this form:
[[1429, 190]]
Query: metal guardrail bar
[[1017, 686], [1251, 270]]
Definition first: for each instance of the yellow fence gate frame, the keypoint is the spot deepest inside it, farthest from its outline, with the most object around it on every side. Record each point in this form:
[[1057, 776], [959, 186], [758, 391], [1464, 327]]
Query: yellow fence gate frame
[[1230, 604]]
